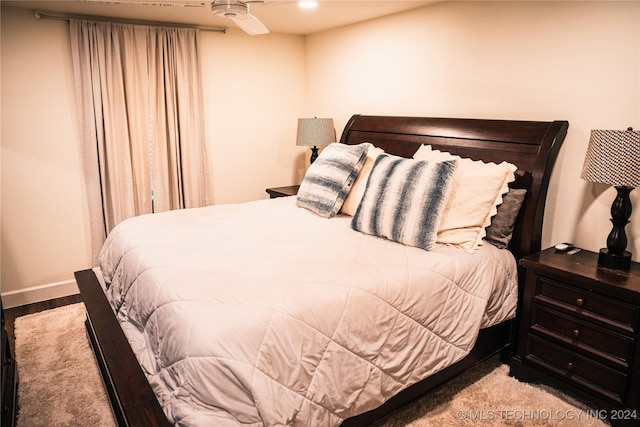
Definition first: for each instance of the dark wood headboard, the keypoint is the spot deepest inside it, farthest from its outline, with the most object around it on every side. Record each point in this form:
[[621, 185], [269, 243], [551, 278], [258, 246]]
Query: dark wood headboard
[[530, 145]]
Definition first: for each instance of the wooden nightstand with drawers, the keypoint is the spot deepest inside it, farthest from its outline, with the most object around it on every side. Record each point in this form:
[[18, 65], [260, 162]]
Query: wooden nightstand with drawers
[[580, 331]]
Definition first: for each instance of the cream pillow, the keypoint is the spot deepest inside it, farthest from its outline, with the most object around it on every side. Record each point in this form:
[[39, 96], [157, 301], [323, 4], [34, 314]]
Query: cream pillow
[[423, 150], [476, 192], [354, 197]]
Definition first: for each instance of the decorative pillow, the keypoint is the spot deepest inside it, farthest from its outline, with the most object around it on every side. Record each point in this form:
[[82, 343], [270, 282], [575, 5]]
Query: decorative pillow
[[357, 189], [328, 179], [423, 151], [404, 199], [476, 192], [501, 229]]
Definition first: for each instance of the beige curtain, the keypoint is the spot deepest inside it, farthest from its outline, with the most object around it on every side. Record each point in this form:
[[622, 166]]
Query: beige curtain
[[142, 129]]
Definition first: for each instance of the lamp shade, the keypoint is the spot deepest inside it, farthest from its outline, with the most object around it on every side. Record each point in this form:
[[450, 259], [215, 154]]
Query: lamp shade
[[613, 158], [315, 132]]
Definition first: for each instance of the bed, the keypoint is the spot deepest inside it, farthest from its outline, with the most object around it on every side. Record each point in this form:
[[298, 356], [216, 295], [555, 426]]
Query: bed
[[324, 307]]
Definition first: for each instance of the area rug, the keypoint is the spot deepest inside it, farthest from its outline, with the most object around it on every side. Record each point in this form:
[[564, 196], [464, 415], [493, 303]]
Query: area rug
[[487, 396], [60, 385]]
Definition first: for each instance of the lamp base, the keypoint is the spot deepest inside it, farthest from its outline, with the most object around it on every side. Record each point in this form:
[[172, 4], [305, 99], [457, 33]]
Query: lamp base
[[607, 259], [314, 153]]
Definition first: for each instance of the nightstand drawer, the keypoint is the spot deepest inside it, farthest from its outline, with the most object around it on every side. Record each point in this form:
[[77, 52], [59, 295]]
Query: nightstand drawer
[[584, 336], [588, 304], [577, 369]]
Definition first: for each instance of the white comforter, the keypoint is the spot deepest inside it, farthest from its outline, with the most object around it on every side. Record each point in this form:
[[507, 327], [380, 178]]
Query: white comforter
[[264, 314]]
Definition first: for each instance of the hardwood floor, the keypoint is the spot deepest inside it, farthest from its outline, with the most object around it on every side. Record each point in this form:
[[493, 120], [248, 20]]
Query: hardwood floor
[[10, 314]]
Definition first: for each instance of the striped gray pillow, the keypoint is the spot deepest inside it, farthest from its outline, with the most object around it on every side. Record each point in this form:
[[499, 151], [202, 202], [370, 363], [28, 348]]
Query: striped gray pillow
[[404, 200], [328, 179]]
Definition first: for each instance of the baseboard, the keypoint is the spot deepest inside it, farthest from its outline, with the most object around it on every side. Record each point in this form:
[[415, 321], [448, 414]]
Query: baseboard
[[39, 293]]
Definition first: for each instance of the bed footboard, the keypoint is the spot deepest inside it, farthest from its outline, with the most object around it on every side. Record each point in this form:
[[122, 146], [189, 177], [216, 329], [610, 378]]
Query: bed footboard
[[132, 398]]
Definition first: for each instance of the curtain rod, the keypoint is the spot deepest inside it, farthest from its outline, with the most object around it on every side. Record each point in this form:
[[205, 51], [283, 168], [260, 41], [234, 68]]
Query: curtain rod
[[66, 17]]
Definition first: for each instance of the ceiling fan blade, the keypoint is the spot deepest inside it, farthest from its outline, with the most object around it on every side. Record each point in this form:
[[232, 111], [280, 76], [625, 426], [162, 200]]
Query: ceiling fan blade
[[251, 25], [163, 3]]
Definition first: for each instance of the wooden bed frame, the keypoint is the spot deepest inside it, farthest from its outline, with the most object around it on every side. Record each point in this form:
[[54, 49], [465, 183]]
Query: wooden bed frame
[[532, 146]]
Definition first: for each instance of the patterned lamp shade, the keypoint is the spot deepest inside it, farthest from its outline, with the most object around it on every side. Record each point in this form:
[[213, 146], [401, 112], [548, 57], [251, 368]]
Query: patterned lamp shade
[[315, 132], [613, 157]]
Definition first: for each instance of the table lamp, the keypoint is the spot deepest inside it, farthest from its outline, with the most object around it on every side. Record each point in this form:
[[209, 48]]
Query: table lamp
[[315, 132], [613, 158]]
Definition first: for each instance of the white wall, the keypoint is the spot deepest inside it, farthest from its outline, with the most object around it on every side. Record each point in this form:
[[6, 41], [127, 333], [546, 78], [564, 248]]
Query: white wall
[[44, 230], [575, 61], [253, 93]]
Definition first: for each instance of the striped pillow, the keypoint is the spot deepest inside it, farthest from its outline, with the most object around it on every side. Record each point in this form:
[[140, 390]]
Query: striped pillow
[[328, 179], [404, 200]]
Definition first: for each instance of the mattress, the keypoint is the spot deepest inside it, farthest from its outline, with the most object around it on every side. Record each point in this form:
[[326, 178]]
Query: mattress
[[263, 313]]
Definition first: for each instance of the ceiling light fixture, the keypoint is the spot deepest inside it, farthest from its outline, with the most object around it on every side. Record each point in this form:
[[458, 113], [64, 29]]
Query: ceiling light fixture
[[308, 4]]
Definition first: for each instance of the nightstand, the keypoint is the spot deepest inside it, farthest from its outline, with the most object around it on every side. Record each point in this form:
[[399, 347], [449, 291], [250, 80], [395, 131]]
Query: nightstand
[[290, 190], [579, 331]]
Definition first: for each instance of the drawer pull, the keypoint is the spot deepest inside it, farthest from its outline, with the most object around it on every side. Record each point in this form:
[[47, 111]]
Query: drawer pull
[[575, 333], [579, 302], [569, 366]]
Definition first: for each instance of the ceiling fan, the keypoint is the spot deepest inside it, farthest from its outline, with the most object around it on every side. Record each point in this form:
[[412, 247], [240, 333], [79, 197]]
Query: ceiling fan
[[239, 11]]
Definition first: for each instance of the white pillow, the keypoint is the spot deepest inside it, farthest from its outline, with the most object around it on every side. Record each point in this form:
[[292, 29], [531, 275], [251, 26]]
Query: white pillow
[[423, 151], [357, 189], [476, 192]]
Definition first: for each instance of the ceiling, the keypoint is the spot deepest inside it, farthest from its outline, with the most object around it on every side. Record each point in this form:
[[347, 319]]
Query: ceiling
[[280, 16]]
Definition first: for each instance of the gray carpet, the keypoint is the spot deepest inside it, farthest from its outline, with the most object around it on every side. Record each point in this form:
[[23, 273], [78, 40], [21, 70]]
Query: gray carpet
[[60, 385]]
